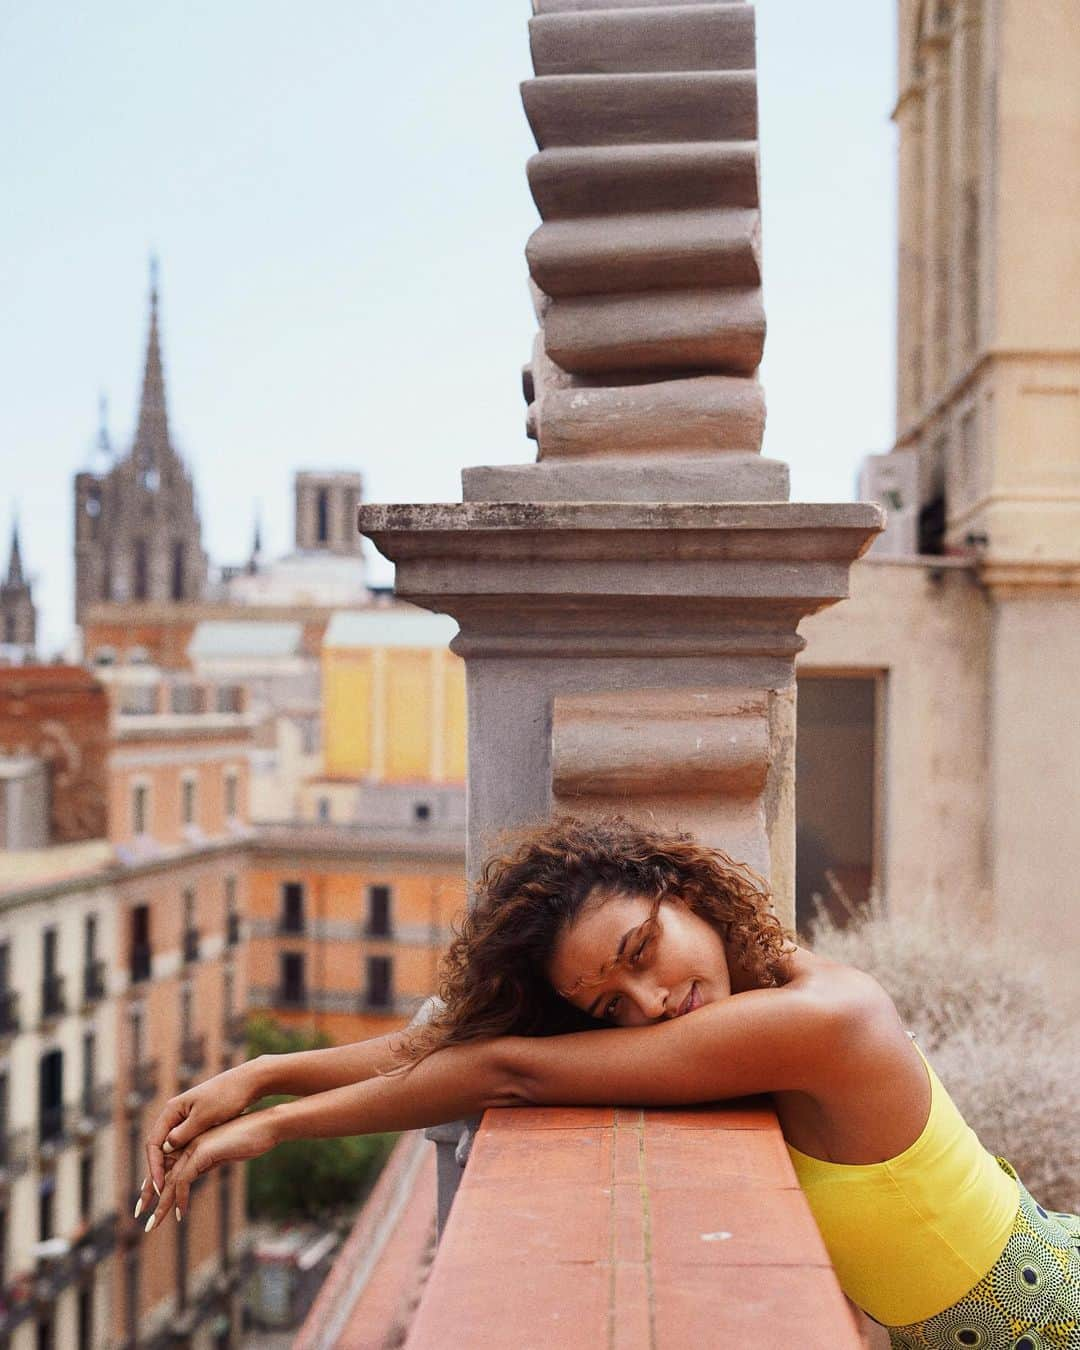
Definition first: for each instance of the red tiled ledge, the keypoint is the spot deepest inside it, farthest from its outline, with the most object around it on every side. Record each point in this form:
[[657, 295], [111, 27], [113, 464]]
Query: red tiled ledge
[[632, 1229]]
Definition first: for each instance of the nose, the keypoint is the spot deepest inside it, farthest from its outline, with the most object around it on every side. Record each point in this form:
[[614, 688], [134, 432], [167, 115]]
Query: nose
[[652, 999]]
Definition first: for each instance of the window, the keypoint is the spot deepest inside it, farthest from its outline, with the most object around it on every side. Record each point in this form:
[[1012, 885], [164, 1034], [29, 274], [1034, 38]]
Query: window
[[85, 1331], [292, 907], [52, 987], [232, 916], [293, 989], [422, 811], [140, 943], [187, 801], [89, 1056], [51, 1095], [232, 795], [378, 923], [380, 981], [140, 808], [322, 515], [46, 1332], [323, 809], [90, 939], [836, 788], [86, 1186]]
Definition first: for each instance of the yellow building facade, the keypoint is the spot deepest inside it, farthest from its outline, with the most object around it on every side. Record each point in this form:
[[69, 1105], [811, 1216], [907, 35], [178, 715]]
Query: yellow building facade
[[352, 902]]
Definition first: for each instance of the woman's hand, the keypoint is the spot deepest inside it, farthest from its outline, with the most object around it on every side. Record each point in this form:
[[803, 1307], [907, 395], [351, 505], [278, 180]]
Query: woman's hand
[[245, 1137], [189, 1113]]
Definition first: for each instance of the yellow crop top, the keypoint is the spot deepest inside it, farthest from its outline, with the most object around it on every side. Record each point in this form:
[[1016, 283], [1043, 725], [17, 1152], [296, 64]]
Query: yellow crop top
[[910, 1236]]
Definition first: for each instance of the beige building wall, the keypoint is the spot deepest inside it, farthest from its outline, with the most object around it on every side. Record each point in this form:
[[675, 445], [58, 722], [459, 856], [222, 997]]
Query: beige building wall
[[926, 631]]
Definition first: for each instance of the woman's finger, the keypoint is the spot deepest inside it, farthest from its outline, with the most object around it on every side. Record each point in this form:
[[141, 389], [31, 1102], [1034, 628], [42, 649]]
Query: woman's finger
[[168, 1118], [184, 1167]]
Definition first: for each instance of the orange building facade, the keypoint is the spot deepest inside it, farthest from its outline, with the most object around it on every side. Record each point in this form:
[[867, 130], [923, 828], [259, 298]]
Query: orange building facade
[[178, 787]]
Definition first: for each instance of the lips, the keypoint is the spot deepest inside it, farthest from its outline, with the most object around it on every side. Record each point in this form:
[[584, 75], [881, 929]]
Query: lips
[[691, 1001]]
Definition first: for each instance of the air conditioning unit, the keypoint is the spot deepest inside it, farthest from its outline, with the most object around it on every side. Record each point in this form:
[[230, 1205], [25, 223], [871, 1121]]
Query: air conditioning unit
[[893, 482]]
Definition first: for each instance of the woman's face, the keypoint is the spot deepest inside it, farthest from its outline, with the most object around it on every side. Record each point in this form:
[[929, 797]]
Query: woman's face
[[679, 968]]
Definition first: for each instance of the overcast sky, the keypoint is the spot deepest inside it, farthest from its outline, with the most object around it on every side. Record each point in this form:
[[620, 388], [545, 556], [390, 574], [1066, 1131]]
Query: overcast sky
[[337, 195]]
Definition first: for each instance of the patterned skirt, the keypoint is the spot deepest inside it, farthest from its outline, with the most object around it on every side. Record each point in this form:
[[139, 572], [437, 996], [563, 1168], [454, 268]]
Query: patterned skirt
[[1028, 1300]]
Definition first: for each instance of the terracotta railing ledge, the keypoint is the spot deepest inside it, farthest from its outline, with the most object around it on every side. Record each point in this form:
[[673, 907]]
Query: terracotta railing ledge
[[631, 1229]]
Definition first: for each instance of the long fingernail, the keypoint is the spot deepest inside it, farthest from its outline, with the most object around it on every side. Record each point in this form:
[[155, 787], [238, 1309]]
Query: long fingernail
[[151, 1221], [166, 1147], [138, 1207], [157, 1190], [177, 1213]]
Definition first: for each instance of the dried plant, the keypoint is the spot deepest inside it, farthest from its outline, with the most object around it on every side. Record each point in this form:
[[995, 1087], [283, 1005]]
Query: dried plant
[[990, 1016]]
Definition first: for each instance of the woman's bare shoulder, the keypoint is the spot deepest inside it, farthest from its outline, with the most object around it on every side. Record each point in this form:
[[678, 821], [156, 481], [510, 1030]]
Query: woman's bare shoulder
[[830, 980]]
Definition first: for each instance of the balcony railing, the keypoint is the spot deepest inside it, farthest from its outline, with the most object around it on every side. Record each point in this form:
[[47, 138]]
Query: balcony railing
[[53, 1129], [53, 997], [142, 960], [192, 1055], [291, 996], [191, 945], [291, 924], [144, 1083], [93, 1109], [236, 1028], [94, 981], [232, 929], [9, 1013], [14, 1154]]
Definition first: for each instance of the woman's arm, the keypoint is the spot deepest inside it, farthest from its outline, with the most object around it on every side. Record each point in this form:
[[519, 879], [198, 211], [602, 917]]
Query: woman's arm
[[303, 1072]]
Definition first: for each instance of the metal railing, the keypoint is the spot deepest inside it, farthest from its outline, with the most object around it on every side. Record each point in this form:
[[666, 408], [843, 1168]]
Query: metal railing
[[15, 1153], [53, 997], [142, 960], [290, 996], [144, 1083], [191, 945], [232, 929], [94, 981], [93, 1109], [192, 1055], [236, 1028], [9, 1013]]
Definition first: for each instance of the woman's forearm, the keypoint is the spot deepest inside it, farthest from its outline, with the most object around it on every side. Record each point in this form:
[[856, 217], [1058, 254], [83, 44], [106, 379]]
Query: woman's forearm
[[303, 1072], [460, 1081]]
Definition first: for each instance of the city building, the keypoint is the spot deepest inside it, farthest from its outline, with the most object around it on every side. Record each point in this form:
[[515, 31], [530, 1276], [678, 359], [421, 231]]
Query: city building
[[121, 982], [939, 728], [18, 615], [137, 531], [352, 898]]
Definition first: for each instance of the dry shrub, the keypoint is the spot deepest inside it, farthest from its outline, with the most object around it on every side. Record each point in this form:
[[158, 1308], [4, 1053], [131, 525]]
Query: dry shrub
[[993, 1020]]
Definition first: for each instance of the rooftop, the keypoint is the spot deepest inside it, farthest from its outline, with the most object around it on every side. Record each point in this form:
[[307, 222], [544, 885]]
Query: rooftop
[[58, 862]]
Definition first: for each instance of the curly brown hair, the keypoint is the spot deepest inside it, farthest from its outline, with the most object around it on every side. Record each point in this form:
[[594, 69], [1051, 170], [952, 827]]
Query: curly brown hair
[[493, 979]]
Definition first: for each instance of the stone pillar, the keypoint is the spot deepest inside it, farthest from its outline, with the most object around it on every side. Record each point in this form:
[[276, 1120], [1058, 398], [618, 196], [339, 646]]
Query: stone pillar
[[628, 604]]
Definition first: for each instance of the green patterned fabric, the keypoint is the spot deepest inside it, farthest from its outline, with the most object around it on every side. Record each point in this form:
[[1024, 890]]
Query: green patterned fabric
[[1028, 1300]]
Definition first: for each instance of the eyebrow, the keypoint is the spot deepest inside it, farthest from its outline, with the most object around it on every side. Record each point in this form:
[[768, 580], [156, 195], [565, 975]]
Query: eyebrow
[[618, 952]]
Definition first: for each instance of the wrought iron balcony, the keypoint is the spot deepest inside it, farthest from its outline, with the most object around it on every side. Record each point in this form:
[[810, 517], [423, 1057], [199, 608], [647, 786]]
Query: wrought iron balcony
[[236, 1028], [53, 997], [191, 945], [142, 960], [144, 1083], [192, 1055], [291, 996], [94, 981], [93, 1109], [14, 1154], [232, 929], [9, 1013], [53, 1130], [291, 925]]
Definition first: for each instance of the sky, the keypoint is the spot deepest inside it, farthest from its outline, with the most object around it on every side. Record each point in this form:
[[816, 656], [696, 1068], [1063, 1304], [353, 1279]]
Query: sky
[[336, 193]]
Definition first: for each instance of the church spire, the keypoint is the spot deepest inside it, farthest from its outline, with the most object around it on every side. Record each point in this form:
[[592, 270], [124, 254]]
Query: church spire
[[152, 433], [15, 569], [255, 560]]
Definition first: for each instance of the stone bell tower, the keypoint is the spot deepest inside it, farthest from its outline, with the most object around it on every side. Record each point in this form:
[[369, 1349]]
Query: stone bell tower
[[18, 616]]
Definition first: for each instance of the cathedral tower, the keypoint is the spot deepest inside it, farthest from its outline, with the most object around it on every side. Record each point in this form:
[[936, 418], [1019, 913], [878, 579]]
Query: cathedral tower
[[137, 531], [18, 617]]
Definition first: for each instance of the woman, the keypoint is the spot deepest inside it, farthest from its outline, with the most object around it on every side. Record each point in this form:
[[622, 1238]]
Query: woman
[[611, 964]]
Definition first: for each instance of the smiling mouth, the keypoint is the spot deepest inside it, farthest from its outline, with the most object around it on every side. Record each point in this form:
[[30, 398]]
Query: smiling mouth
[[691, 1001]]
